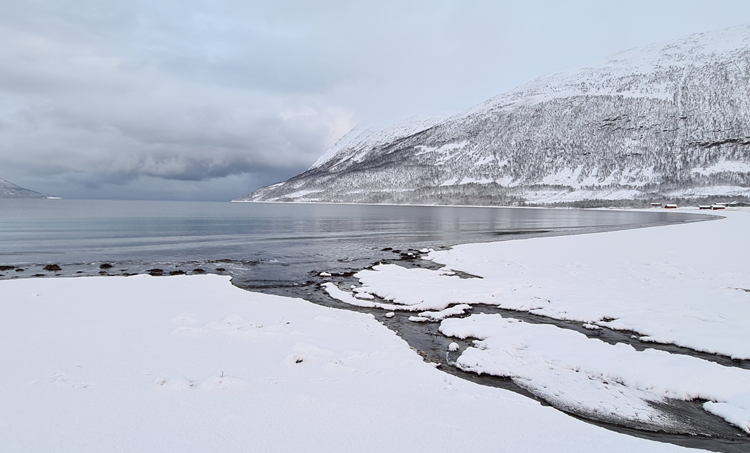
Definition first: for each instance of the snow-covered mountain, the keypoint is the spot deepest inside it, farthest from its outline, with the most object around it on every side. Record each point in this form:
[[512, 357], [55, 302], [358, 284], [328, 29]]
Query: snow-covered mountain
[[664, 121], [10, 190]]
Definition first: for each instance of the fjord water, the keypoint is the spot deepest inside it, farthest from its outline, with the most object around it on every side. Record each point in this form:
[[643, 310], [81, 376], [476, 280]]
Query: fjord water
[[265, 244]]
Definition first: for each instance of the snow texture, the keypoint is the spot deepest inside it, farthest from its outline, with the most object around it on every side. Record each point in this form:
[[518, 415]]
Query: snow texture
[[193, 364], [596, 379], [666, 120]]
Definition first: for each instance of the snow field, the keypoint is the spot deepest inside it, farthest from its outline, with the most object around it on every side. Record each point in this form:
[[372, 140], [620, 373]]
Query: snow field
[[686, 284], [683, 284], [193, 364]]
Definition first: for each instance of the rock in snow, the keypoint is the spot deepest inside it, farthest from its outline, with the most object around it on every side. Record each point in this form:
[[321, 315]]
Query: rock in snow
[[666, 120]]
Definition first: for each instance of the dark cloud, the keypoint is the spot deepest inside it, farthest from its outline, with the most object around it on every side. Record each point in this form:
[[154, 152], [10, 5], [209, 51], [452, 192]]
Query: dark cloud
[[209, 100]]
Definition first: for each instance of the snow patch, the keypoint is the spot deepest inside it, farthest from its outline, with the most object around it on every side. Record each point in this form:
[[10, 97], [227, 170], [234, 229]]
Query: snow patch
[[594, 378], [724, 166]]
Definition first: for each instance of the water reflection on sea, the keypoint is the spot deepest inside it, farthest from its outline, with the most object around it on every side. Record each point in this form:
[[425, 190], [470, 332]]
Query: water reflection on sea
[[263, 244]]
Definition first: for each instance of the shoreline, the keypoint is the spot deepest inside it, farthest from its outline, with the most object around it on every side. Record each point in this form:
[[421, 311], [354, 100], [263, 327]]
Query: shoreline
[[620, 428], [205, 265], [473, 258], [327, 203]]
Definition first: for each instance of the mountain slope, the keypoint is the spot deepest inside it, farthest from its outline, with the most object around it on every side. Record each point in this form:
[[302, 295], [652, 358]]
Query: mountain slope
[[10, 190], [667, 120]]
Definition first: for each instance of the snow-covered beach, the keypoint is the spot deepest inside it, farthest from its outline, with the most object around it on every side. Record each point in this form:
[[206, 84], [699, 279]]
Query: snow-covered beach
[[686, 285], [191, 363]]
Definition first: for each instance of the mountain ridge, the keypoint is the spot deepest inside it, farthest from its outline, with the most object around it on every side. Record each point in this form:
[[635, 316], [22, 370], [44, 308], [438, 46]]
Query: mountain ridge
[[668, 120], [10, 190]]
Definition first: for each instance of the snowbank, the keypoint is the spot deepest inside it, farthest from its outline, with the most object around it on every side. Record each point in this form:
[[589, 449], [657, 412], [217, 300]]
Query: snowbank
[[596, 379]]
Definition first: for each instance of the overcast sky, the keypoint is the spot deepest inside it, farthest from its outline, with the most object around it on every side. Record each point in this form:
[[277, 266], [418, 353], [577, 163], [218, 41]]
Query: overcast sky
[[209, 100]]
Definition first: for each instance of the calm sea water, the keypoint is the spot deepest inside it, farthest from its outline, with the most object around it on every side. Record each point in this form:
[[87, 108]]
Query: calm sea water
[[263, 244]]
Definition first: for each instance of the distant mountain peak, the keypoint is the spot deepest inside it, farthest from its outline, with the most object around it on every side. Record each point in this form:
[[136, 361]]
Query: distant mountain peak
[[669, 120], [10, 190]]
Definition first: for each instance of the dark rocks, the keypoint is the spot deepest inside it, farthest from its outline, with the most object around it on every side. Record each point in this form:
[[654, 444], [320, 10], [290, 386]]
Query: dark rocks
[[155, 272], [6, 268], [176, 272], [105, 266], [198, 270], [52, 268], [220, 269]]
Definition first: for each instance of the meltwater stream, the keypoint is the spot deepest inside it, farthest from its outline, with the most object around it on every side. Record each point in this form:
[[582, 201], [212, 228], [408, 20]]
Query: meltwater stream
[[282, 248]]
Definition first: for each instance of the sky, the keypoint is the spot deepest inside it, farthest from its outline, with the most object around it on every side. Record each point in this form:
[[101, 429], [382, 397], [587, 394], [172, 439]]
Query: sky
[[209, 100]]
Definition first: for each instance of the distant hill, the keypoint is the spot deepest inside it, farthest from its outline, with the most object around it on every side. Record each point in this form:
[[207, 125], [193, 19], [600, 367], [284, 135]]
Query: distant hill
[[666, 121], [10, 190]]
